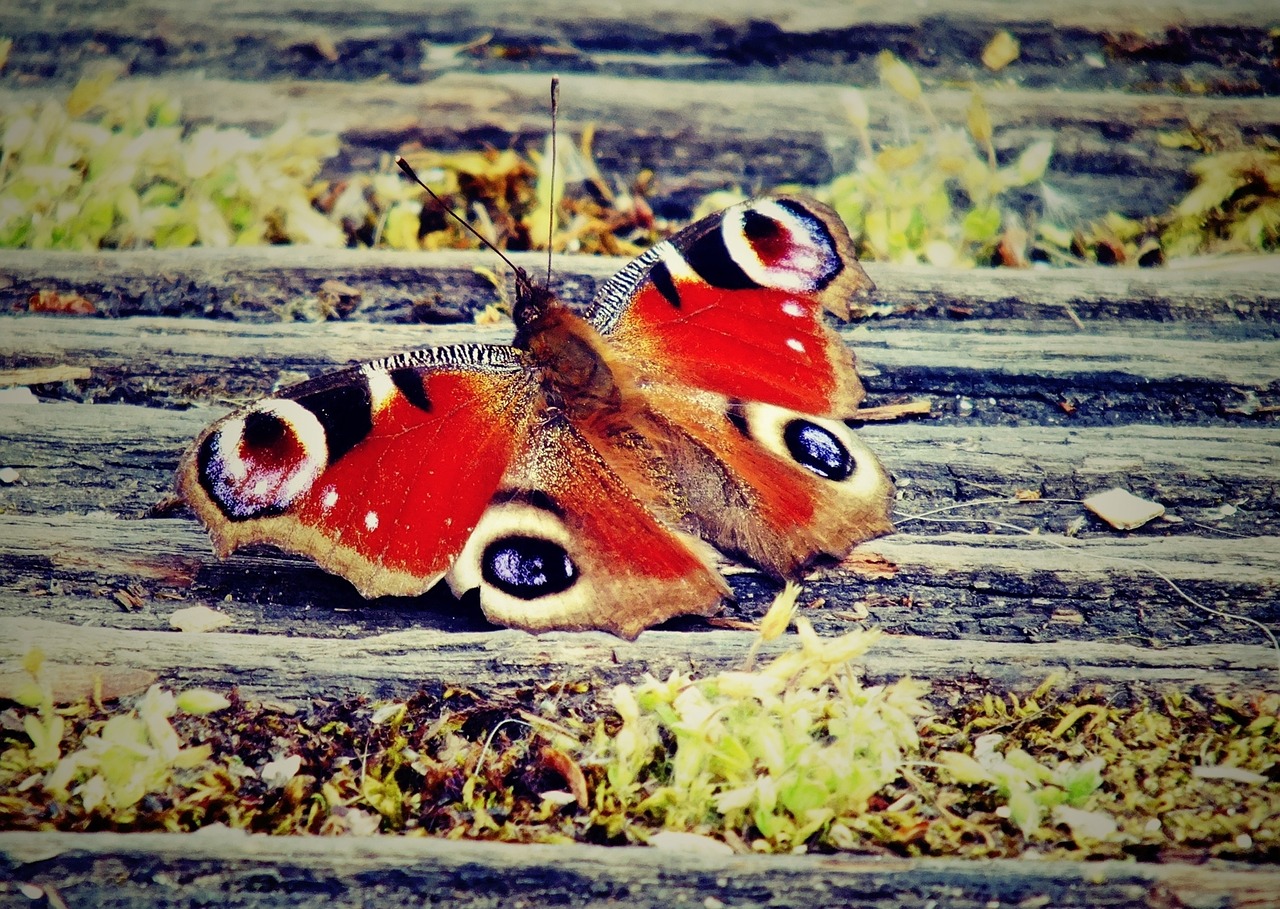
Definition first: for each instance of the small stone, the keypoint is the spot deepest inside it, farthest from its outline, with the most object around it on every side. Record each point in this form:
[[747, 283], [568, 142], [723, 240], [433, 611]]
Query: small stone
[[9, 475], [1122, 509]]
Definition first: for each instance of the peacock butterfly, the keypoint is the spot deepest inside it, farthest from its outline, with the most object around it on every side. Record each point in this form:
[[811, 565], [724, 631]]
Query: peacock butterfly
[[577, 477]]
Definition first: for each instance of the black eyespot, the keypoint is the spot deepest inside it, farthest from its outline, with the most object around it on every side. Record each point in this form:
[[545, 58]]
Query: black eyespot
[[528, 567], [263, 429], [223, 490], [760, 228], [818, 450]]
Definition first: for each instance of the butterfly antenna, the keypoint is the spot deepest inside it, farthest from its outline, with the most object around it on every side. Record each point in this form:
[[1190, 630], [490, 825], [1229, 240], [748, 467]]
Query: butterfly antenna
[[412, 175], [551, 195]]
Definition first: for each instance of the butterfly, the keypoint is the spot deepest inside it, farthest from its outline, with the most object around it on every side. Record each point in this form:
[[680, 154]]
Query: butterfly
[[583, 477]]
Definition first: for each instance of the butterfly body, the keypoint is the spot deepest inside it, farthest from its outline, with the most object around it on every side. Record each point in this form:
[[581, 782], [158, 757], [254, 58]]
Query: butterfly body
[[577, 477]]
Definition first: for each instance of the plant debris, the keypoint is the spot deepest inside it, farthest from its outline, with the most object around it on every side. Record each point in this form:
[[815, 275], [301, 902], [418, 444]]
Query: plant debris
[[799, 755], [1122, 509], [115, 167]]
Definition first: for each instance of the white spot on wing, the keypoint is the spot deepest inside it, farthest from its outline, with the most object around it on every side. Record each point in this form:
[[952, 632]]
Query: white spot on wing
[[792, 308], [370, 520], [381, 388], [796, 345], [330, 499], [677, 266]]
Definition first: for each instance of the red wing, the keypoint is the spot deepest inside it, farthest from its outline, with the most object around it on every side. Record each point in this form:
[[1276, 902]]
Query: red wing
[[568, 544], [734, 303], [379, 472], [781, 488]]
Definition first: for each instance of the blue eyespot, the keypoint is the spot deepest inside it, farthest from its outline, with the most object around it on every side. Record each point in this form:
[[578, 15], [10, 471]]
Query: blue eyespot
[[818, 450], [528, 567]]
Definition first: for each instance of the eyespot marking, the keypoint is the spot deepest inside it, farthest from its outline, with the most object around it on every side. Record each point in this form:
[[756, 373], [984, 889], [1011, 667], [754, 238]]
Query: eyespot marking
[[779, 244], [257, 464], [770, 239], [535, 498], [817, 449], [528, 567]]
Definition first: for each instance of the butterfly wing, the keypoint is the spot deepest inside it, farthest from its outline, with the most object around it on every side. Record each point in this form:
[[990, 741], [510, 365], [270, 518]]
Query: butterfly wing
[[780, 488], [746, 384], [569, 544], [379, 472], [445, 462], [734, 304]]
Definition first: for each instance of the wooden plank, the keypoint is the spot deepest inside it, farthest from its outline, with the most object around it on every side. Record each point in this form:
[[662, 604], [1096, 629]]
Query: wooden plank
[[670, 15], [950, 585], [514, 104], [1104, 377], [232, 870], [398, 663], [253, 284], [177, 346], [77, 458], [699, 135]]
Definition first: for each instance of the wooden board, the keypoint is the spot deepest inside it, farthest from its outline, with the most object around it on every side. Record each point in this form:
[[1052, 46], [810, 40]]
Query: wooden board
[[240, 871]]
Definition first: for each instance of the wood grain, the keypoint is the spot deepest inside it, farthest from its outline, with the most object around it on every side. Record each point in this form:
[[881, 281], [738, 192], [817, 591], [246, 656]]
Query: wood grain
[[262, 872]]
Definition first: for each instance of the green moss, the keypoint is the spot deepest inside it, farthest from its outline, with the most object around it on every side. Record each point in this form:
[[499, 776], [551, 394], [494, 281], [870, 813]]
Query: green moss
[[797, 755], [113, 167]]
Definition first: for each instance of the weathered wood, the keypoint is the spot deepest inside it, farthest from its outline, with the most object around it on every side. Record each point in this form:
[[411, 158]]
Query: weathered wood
[[397, 663], [702, 135], [671, 15], [177, 346], [1104, 377], [974, 586], [255, 283], [77, 458], [232, 870]]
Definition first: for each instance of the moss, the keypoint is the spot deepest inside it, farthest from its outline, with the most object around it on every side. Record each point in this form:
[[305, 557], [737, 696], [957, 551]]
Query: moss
[[796, 755]]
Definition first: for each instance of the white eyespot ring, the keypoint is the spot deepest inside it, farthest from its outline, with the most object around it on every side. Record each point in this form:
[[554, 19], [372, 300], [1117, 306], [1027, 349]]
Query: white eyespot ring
[[767, 424], [248, 487], [807, 261], [517, 519]]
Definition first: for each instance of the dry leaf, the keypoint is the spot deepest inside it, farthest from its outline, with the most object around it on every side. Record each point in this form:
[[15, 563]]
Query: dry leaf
[[1122, 509], [869, 565], [73, 682], [887, 412], [1000, 51], [199, 619], [55, 302], [567, 768]]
